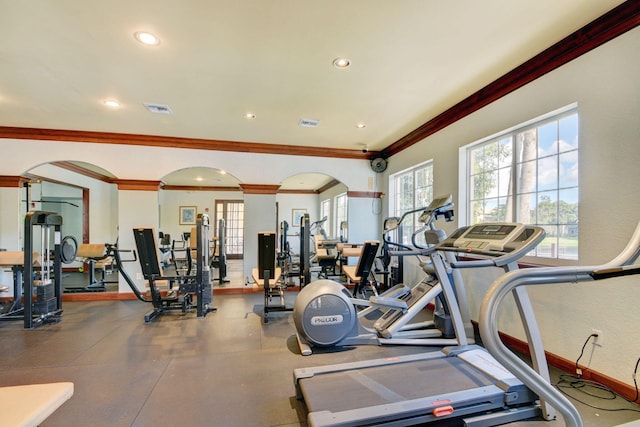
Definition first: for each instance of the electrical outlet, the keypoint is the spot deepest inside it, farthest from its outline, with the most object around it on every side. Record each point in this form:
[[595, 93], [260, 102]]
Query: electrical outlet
[[138, 276], [598, 338]]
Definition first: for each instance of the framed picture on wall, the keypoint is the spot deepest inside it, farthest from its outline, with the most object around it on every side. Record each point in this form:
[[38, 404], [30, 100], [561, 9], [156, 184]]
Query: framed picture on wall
[[296, 216], [187, 215]]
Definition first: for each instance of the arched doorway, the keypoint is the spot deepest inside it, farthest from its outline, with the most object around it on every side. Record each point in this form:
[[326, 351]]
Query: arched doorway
[[87, 199], [203, 190]]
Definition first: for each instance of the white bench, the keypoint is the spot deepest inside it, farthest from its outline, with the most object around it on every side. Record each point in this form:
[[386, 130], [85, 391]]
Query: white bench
[[29, 405]]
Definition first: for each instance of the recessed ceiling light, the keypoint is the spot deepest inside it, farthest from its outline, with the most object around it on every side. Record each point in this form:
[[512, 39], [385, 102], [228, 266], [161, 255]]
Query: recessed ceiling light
[[361, 125], [199, 178], [249, 116], [341, 62], [112, 103], [147, 38]]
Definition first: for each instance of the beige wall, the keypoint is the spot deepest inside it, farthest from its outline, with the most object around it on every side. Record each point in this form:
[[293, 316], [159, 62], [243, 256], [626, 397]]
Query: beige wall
[[605, 85]]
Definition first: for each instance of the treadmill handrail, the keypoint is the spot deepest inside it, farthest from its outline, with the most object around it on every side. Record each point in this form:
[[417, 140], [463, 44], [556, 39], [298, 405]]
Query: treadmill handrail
[[488, 320], [417, 252]]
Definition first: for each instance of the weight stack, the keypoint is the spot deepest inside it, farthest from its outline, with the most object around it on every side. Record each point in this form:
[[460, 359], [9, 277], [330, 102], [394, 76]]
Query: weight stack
[[45, 299], [44, 291], [207, 286]]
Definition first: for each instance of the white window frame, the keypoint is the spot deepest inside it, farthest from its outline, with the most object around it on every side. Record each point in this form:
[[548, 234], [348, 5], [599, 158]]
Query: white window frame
[[341, 202], [555, 246], [325, 210], [396, 198]]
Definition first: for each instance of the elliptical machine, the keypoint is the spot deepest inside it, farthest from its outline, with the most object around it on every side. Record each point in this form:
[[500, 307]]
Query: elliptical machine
[[392, 274], [325, 313]]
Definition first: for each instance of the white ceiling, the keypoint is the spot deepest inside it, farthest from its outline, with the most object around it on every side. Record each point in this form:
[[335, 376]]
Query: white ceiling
[[411, 60]]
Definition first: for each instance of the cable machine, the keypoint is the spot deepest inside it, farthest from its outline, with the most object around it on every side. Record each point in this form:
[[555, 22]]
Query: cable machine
[[47, 307], [219, 255], [305, 269]]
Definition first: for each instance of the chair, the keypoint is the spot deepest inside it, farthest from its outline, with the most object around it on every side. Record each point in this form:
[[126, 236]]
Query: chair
[[325, 255], [346, 251], [97, 258], [361, 273]]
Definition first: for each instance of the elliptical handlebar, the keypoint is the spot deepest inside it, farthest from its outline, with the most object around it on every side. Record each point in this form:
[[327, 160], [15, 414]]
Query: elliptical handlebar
[[318, 222], [441, 206], [317, 225]]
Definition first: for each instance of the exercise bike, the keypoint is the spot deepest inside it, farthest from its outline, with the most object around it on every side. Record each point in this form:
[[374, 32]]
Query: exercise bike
[[326, 314]]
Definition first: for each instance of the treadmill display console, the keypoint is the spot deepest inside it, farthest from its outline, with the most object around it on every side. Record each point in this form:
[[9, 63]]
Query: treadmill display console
[[490, 231], [486, 237]]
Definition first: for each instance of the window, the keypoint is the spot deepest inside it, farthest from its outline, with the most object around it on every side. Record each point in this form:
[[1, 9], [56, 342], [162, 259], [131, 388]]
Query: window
[[325, 211], [341, 211], [232, 211], [529, 174], [411, 189]]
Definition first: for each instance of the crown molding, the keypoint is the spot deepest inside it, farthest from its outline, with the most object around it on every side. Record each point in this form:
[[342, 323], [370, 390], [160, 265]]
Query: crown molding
[[10, 181], [64, 135], [259, 188], [137, 184]]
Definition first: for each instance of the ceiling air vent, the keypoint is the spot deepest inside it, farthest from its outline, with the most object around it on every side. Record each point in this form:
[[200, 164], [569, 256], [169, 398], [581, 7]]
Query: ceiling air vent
[[158, 108], [309, 123]]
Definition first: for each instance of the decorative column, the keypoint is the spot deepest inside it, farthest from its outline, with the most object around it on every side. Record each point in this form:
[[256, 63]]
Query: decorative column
[[259, 215], [364, 214], [137, 207]]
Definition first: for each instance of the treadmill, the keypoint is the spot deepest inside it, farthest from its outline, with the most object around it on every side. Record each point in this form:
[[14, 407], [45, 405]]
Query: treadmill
[[626, 263], [459, 385]]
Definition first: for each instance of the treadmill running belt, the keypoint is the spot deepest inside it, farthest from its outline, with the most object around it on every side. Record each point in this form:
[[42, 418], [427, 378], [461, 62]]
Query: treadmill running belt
[[355, 389]]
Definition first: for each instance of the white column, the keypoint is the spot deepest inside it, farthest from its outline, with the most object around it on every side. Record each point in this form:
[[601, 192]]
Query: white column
[[137, 207], [259, 215]]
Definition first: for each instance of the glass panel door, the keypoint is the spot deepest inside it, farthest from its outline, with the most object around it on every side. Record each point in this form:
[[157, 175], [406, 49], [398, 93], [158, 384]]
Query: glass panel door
[[232, 211]]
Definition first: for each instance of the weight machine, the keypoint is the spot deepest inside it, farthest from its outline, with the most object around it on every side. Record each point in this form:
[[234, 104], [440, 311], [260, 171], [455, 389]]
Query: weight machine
[[290, 270], [305, 251], [39, 274], [174, 299], [219, 253], [269, 276]]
